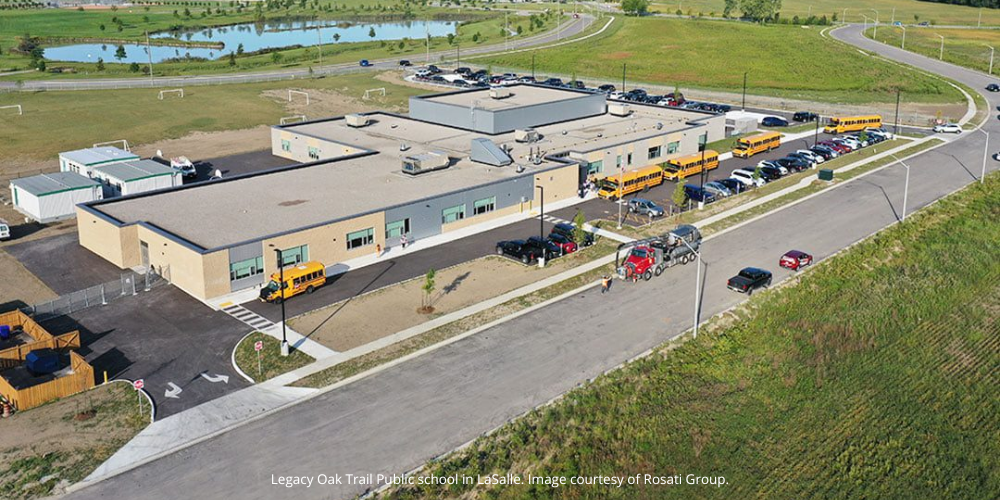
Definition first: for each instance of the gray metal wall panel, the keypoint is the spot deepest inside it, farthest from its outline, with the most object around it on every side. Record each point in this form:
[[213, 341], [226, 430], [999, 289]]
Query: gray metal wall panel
[[507, 120], [425, 217], [244, 252]]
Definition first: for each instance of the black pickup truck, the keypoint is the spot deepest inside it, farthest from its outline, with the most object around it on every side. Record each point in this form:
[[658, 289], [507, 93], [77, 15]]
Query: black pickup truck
[[750, 279]]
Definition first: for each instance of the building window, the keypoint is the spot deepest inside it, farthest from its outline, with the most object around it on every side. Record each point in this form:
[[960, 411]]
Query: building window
[[453, 214], [246, 268], [361, 238], [595, 167], [286, 145], [672, 147], [629, 162], [618, 161], [397, 229], [314, 153], [703, 139], [485, 205], [294, 255], [654, 152]]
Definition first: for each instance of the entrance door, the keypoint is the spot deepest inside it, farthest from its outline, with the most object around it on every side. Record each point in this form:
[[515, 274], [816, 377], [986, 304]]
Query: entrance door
[[144, 253]]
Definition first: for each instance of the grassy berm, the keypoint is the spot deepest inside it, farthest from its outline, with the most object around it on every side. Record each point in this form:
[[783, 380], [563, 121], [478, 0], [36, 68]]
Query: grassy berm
[[876, 375]]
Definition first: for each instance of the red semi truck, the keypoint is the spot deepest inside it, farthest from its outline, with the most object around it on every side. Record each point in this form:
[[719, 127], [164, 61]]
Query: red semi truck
[[649, 257]]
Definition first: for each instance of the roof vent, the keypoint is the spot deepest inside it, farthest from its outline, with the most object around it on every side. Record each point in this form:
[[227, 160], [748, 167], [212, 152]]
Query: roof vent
[[356, 120], [404, 147], [499, 92], [526, 135], [486, 151], [426, 162]]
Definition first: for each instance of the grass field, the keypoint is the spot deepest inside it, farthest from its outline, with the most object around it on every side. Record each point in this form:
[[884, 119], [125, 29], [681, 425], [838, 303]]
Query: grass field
[[936, 13], [271, 362], [67, 24], [62, 121], [875, 376], [964, 47], [785, 61]]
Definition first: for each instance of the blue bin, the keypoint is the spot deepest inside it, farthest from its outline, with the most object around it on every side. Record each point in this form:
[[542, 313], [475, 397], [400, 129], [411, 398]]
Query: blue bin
[[4, 332], [42, 361]]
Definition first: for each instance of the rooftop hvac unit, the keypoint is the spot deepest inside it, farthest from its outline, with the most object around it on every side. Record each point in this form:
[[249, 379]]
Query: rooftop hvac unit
[[499, 92], [619, 109], [356, 120], [526, 135], [426, 162]]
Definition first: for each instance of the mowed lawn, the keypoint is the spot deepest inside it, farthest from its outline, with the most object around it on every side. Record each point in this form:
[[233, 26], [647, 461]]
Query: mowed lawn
[[785, 61], [965, 47], [936, 13], [62, 121], [876, 376]]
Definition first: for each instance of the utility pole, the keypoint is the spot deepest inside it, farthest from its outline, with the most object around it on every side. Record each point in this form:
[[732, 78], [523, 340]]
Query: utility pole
[[986, 154], [319, 44], [697, 287], [506, 33], [893, 20], [979, 23], [991, 59], [902, 45], [624, 65], [875, 32], [458, 55], [149, 54], [906, 185], [621, 178], [843, 18], [532, 65], [427, 42], [941, 54], [745, 90], [816, 134]]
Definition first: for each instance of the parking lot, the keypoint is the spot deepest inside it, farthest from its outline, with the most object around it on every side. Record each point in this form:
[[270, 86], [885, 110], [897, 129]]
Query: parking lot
[[62, 264]]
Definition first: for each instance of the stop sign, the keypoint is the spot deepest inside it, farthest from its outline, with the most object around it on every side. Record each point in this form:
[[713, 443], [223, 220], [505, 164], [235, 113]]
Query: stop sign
[[258, 346], [138, 384]]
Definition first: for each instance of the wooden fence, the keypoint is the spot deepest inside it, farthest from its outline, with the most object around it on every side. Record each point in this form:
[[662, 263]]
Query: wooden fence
[[81, 379], [14, 356], [17, 318]]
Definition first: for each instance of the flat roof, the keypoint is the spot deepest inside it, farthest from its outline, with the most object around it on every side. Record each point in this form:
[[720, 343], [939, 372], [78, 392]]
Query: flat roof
[[256, 206], [97, 156], [135, 170], [520, 96], [55, 182]]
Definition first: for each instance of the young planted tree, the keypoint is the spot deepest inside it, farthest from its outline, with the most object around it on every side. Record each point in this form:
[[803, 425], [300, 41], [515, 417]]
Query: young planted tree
[[100, 64], [579, 233], [428, 288], [679, 196]]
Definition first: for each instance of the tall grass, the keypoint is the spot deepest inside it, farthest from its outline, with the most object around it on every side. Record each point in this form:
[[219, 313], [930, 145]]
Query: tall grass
[[875, 376]]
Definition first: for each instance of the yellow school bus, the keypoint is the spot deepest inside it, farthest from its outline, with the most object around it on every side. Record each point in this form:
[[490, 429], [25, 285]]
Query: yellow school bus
[[302, 278], [749, 146], [633, 181], [679, 168], [841, 124]]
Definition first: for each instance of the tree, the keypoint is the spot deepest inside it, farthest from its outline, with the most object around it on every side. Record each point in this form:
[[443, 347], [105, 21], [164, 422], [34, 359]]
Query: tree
[[760, 11], [276, 57], [239, 49], [371, 32], [336, 37], [41, 65], [679, 196], [120, 53], [451, 39], [402, 45], [187, 12], [100, 64], [428, 287], [232, 59], [476, 37], [579, 233], [102, 27], [134, 67]]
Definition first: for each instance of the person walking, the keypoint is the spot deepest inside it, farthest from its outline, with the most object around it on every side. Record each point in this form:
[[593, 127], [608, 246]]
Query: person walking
[[606, 284], [378, 250], [402, 241]]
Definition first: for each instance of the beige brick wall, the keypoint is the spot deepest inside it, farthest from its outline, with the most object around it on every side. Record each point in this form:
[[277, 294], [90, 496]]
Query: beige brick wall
[[102, 237], [559, 184], [328, 244]]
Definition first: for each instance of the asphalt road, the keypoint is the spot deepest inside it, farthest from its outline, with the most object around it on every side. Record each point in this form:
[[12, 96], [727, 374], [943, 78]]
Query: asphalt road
[[397, 419], [568, 29]]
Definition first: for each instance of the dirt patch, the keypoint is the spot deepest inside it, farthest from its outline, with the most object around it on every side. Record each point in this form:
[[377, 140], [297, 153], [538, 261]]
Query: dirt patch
[[18, 286], [324, 102], [350, 324], [200, 145], [63, 441]]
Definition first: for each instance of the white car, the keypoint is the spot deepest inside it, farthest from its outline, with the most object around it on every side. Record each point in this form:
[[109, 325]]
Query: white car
[[948, 128], [853, 143], [811, 155], [747, 177], [769, 163]]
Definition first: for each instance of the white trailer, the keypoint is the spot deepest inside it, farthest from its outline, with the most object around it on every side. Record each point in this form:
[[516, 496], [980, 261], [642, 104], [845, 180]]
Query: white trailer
[[51, 197]]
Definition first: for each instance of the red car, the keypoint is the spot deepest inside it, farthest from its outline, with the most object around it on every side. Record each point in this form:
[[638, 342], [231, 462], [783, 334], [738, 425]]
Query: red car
[[840, 148], [795, 260], [565, 244]]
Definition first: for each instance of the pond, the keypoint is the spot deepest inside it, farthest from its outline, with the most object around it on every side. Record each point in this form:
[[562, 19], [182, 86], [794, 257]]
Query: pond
[[253, 37]]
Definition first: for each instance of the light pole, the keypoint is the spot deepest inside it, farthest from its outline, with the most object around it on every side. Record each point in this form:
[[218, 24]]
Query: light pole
[[843, 18], [697, 287], [532, 65], [816, 134], [745, 90], [941, 54], [906, 185], [893, 20], [149, 54], [624, 67], [991, 59], [865, 29], [541, 212], [319, 44], [902, 45], [281, 299], [875, 33], [621, 177], [895, 131], [986, 154]]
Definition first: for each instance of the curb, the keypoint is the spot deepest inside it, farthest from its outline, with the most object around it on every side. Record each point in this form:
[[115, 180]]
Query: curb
[[232, 358]]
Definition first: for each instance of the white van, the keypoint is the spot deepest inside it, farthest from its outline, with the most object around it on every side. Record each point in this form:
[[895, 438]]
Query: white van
[[4, 230]]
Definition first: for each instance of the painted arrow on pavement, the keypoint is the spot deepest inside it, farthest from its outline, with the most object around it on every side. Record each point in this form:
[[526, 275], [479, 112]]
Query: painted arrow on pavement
[[173, 391], [216, 378]]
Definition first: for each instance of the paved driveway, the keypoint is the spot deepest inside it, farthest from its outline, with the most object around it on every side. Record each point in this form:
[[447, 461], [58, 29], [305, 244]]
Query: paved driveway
[[62, 264]]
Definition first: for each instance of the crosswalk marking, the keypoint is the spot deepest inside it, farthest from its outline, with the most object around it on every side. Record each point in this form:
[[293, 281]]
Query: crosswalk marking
[[554, 220], [248, 317]]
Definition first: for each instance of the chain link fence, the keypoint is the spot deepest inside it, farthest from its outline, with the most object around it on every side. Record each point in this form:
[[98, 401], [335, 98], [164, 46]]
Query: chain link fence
[[129, 284]]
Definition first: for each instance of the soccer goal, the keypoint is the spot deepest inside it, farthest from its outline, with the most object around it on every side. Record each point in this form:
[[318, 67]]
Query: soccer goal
[[178, 92], [299, 92], [293, 119], [14, 106], [372, 92], [123, 142]]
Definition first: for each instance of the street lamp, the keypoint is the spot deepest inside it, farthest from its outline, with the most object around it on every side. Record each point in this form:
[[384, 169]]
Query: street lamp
[[875, 33], [621, 177], [745, 90], [281, 299], [902, 45], [991, 58], [986, 154], [843, 18], [906, 185], [816, 134], [532, 65], [697, 287], [941, 54], [541, 211]]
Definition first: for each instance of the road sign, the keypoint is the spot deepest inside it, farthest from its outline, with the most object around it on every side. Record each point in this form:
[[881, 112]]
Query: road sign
[[258, 345], [138, 384]]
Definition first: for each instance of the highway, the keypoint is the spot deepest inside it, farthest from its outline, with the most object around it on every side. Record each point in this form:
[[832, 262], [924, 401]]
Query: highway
[[569, 29], [398, 418]]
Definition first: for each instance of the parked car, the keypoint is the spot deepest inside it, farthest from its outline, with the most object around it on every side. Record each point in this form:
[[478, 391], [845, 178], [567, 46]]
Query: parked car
[[551, 249], [607, 88], [733, 185], [795, 260], [695, 193], [783, 170], [405, 63], [526, 79], [553, 82], [749, 279], [841, 149], [793, 164], [364, 63], [824, 152], [863, 142], [816, 157], [566, 245], [717, 189], [770, 173], [851, 142], [520, 249], [463, 70], [774, 121], [747, 177], [993, 87], [433, 69], [805, 116], [566, 229], [577, 84], [947, 128], [644, 207]]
